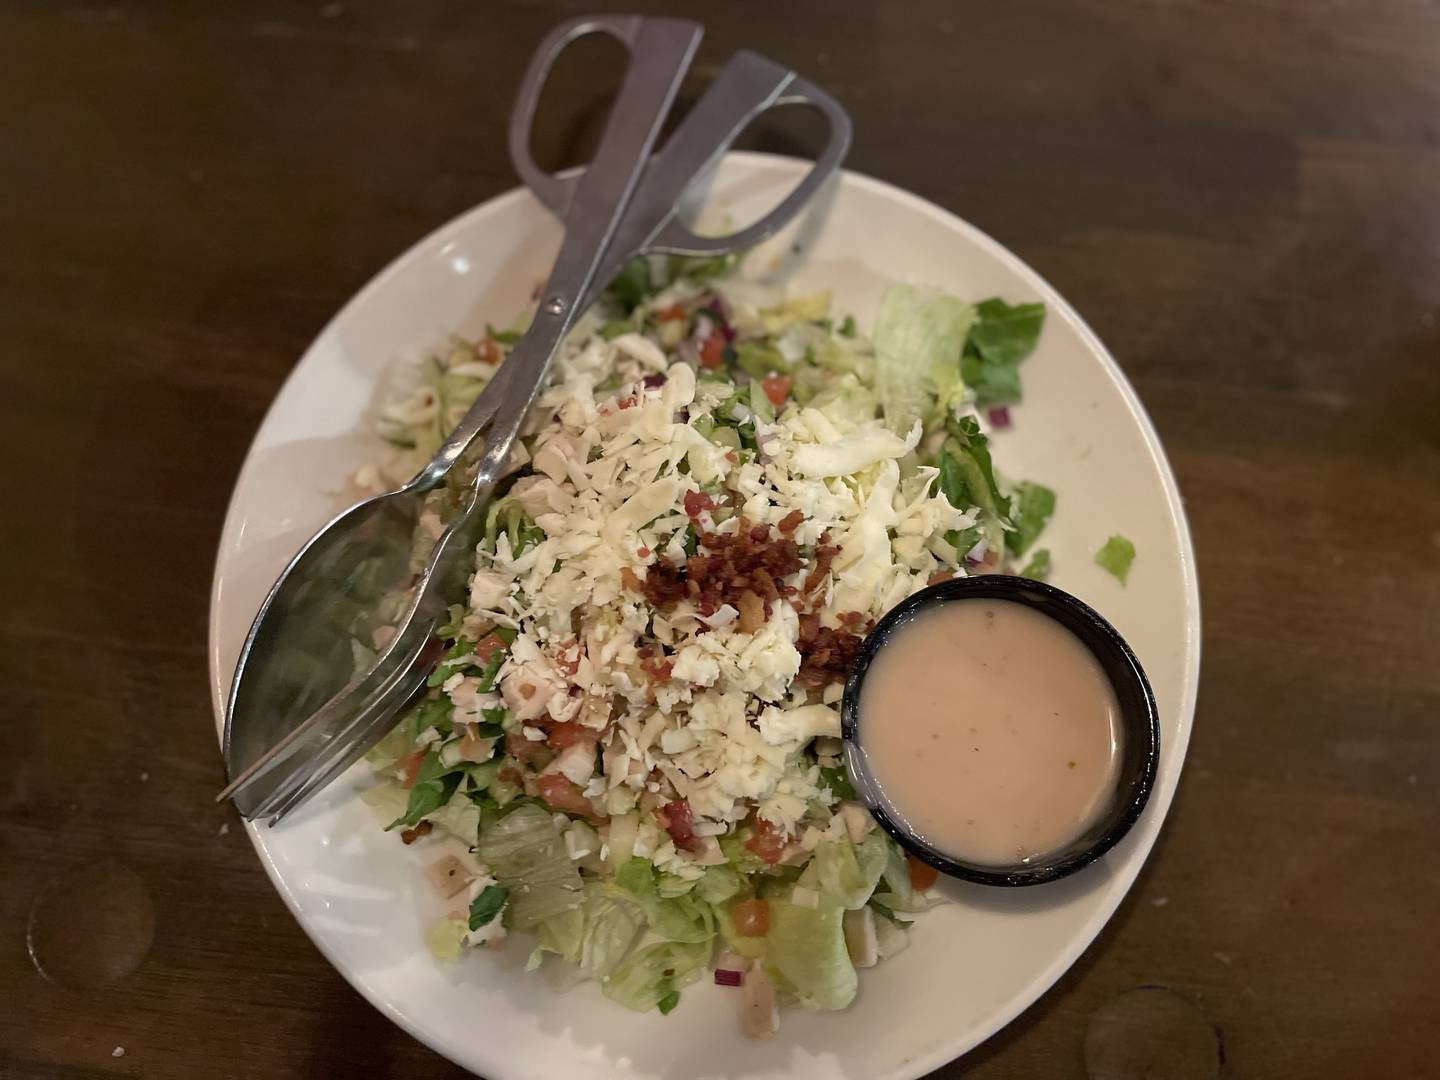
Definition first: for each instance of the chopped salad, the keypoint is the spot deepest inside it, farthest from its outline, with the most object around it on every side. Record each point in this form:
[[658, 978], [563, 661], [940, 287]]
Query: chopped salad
[[630, 748]]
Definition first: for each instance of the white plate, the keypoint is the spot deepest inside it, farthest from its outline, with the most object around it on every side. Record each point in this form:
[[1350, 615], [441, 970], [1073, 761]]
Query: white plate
[[975, 963]]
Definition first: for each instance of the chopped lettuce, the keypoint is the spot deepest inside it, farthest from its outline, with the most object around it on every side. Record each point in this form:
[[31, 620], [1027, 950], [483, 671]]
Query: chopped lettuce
[[526, 852], [1031, 507], [487, 905], [845, 874], [595, 936], [1038, 568], [434, 784], [1003, 336], [806, 950], [460, 817], [919, 334], [445, 938], [387, 801], [1115, 557], [649, 975]]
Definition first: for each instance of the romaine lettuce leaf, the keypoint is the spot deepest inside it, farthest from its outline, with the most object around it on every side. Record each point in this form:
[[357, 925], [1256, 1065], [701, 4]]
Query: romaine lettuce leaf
[[1003, 336]]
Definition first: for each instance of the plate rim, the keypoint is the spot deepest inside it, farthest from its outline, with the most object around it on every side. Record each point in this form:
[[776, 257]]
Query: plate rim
[[1167, 780]]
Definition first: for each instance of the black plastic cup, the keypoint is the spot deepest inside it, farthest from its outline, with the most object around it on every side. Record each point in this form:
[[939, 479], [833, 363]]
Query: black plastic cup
[[1140, 723]]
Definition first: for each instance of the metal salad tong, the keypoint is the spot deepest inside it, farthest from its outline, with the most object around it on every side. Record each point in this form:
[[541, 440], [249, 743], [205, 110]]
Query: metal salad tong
[[297, 716]]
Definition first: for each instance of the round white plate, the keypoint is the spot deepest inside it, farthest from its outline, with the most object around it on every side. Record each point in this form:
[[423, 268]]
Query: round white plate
[[974, 963]]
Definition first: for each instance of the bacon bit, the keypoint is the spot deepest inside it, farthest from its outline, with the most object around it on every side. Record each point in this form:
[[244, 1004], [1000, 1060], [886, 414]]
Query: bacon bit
[[630, 581], [645, 652], [568, 665], [768, 841], [759, 533], [569, 733], [488, 350], [824, 556], [696, 502], [791, 521], [712, 353], [664, 583], [989, 564], [731, 456], [560, 793], [938, 576], [643, 553], [825, 654], [627, 402], [850, 618], [777, 388], [675, 818], [511, 775], [658, 671], [752, 612], [409, 836], [409, 766], [527, 690], [673, 313]]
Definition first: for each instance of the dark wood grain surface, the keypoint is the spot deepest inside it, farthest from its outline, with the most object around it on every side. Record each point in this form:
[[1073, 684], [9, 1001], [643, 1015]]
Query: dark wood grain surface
[[1244, 201]]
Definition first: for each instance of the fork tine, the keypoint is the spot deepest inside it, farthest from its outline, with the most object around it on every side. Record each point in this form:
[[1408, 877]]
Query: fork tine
[[377, 718], [356, 735]]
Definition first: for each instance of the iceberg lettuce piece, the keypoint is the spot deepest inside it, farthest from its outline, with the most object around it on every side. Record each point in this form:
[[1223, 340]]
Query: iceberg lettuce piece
[[919, 334], [526, 852], [806, 950], [650, 976]]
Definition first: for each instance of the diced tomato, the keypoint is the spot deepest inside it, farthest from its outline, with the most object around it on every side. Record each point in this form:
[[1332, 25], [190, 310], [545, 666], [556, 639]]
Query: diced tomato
[[777, 388], [488, 646], [520, 748], [676, 819], [673, 313], [922, 875], [569, 733], [488, 350], [408, 766], [562, 794], [712, 353], [768, 841], [751, 917], [697, 502]]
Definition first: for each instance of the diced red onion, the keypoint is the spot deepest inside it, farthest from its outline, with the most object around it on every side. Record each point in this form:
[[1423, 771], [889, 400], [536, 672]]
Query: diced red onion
[[722, 316], [976, 555], [999, 417], [653, 380], [726, 977]]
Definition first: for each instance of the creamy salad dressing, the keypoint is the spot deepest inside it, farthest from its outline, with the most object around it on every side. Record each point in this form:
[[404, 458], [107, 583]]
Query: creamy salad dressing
[[992, 730]]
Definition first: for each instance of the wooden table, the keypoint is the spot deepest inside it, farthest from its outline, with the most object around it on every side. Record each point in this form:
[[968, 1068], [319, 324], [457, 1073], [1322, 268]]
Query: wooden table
[[1243, 199]]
